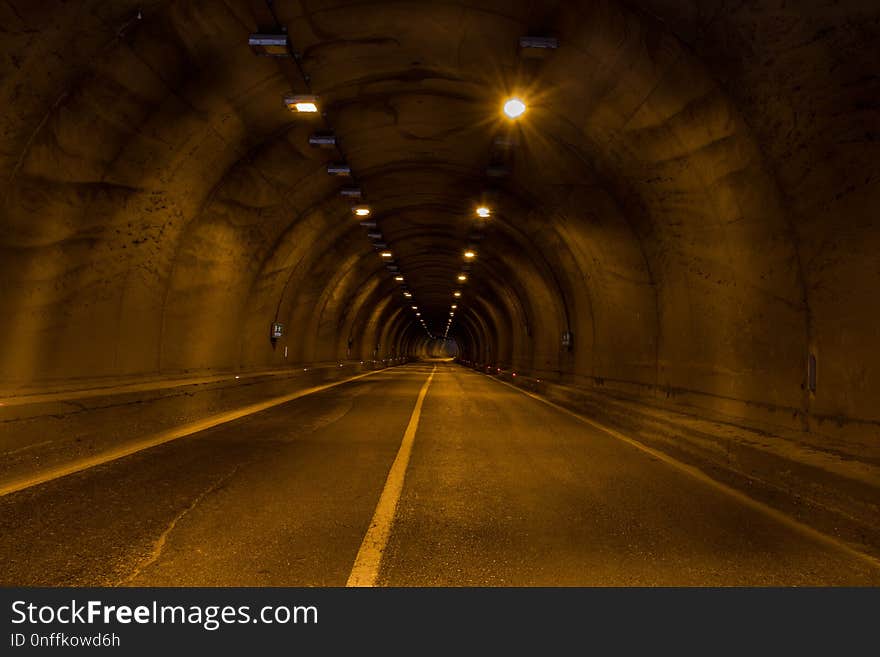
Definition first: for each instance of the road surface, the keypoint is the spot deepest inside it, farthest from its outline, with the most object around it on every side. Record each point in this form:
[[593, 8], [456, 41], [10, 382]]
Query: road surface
[[498, 489]]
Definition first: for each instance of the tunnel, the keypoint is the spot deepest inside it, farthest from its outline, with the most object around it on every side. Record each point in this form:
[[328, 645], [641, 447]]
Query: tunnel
[[657, 219]]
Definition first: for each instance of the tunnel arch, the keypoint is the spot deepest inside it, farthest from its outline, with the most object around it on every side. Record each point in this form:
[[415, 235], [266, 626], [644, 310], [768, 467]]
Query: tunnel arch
[[161, 207]]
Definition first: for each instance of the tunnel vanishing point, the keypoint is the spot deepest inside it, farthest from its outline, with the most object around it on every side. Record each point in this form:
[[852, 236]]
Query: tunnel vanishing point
[[664, 212]]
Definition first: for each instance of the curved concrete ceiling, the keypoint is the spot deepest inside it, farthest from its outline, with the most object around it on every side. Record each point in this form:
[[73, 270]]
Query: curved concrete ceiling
[[691, 194]]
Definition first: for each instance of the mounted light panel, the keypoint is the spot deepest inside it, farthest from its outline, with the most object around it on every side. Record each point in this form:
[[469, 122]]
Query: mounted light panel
[[340, 169], [538, 43], [269, 45], [302, 103], [323, 139]]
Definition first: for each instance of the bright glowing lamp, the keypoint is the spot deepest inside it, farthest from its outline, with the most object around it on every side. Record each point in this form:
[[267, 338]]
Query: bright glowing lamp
[[514, 108], [302, 103]]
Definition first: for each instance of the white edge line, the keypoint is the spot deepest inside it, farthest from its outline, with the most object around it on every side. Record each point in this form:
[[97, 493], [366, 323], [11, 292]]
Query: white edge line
[[165, 436], [701, 476]]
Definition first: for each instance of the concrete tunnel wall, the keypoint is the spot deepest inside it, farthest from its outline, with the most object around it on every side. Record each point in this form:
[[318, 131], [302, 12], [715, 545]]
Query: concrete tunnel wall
[[693, 194]]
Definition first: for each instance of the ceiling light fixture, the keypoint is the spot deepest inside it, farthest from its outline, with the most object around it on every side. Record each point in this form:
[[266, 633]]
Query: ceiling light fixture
[[302, 103], [514, 108], [351, 192], [361, 210], [539, 42], [269, 45], [339, 169], [324, 139]]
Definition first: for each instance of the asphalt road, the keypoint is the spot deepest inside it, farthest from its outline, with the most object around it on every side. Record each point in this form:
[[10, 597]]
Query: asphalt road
[[500, 489]]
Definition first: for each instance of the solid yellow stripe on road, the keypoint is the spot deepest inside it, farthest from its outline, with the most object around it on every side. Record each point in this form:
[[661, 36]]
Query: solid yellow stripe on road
[[365, 571]]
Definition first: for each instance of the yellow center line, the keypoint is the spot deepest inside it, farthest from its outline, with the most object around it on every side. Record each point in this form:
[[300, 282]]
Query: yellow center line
[[163, 437], [365, 570]]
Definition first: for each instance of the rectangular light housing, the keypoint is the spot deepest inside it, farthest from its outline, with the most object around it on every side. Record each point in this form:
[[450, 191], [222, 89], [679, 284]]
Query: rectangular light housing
[[302, 103], [269, 45], [323, 139], [339, 169], [538, 43], [350, 192]]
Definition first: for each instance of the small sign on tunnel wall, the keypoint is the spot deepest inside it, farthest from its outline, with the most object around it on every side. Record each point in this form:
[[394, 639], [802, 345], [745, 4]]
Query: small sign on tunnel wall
[[567, 339], [277, 330]]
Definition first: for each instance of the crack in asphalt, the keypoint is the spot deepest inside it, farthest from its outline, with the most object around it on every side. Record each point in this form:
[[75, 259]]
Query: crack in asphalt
[[162, 541]]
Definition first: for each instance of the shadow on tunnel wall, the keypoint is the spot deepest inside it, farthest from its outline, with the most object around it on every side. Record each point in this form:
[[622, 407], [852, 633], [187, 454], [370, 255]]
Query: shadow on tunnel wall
[[691, 206]]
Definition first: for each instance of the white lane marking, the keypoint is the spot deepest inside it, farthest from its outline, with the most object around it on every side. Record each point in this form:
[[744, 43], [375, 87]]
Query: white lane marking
[[163, 437], [365, 570], [701, 476]]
